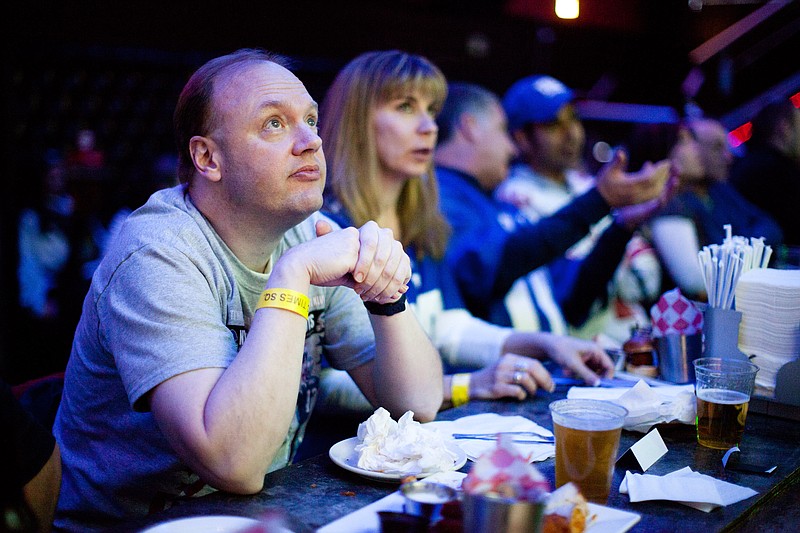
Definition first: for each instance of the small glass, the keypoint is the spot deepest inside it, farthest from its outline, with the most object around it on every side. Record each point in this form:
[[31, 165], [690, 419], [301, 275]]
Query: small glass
[[723, 388]]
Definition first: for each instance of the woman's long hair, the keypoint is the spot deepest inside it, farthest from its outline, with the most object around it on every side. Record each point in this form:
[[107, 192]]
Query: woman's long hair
[[350, 147]]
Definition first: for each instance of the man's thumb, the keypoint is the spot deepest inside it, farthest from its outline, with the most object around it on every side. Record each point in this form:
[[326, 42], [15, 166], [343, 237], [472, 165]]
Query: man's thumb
[[323, 227]]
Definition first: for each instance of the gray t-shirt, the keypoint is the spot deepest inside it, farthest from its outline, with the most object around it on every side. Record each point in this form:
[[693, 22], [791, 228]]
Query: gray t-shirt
[[170, 297]]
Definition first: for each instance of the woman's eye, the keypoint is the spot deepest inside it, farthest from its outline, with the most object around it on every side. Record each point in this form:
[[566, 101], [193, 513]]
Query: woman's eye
[[313, 122], [273, 123], [405, 106]]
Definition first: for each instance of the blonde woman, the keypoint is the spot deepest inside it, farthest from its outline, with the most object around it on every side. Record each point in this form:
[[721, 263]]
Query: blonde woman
[[378, 125]]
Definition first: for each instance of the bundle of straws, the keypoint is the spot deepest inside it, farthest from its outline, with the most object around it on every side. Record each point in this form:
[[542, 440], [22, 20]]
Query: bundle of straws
[[722, 265]]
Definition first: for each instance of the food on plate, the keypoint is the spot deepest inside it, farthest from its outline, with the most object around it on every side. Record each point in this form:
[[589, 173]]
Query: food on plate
[[566, 511], [402, 447]]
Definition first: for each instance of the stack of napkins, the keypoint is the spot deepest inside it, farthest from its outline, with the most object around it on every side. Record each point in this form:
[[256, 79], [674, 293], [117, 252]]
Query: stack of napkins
[[684, 486], [769, 301], [493, 423], [646, 405]]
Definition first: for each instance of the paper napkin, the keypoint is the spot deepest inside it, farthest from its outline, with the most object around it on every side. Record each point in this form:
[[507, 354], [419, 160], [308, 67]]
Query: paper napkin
[[685, 486], [494, 423], [673, 313], [646, 405]]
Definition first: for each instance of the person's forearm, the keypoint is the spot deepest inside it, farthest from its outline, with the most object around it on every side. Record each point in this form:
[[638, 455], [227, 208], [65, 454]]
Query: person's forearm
[[589, 283], [465, 342], [236, 419], [530, 343], [407, 367], [533, 246], [675, 239]]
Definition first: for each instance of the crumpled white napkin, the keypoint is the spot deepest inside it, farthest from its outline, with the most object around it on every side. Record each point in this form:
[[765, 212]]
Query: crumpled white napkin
[[494, 423], [646, 405], [405, 446], [685, 486]]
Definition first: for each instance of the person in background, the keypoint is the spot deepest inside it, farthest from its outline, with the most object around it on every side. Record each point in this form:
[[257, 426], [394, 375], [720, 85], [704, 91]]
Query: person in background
[[197, 377], [85, 153], [43, 244], [768, 175], [623, 274], [715, 150], [379, 133], [701, 208], [493, 244], [42, 324]]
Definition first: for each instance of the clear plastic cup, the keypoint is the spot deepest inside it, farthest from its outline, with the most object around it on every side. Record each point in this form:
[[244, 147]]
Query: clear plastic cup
[[723, 388], [587, 440]]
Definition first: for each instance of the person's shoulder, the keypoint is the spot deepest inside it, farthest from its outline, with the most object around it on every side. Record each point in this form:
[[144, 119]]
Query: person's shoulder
[[166, 225], [166, 213], [456, 185]]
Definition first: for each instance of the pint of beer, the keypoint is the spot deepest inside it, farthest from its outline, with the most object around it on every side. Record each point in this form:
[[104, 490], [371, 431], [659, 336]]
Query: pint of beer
[[587, 440], [723, 388]]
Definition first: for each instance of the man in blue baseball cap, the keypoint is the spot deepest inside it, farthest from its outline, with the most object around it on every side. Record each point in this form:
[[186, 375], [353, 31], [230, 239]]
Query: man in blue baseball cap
[[548, 175], [535, 99]]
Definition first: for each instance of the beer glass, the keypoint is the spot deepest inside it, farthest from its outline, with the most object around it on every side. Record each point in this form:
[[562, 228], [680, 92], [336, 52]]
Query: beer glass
[[723, 388], [587, 440]]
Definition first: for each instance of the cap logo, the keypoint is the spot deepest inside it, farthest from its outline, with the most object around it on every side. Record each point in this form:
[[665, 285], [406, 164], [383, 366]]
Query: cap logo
[[549, 86]]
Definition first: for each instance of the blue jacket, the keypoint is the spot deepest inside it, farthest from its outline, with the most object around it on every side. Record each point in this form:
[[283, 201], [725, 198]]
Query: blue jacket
[[493, 245], [429, 274]]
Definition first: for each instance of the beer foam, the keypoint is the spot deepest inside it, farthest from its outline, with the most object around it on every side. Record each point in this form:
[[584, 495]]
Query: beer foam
[[723, 396]]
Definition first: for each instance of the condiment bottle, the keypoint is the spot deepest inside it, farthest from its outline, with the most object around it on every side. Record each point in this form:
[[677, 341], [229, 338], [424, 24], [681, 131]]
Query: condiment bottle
[[640, 353]]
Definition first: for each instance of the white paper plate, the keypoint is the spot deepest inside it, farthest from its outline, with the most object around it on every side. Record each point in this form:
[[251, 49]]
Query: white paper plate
[[601, 519], [604, 519], [203, 524], [343, 454]]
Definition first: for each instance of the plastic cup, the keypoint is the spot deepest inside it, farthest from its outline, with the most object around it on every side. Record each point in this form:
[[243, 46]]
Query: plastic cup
[[723, 388], [587, 440]]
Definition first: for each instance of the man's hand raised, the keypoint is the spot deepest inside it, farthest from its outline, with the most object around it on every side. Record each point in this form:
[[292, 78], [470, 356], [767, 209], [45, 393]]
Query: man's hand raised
[[620, 188]]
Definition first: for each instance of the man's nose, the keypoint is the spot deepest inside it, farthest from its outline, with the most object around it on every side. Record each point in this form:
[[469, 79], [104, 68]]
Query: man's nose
[[308, 139]]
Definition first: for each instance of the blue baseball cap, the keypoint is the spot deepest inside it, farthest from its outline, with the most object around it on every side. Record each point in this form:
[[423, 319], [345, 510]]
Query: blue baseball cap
[[535, 99]]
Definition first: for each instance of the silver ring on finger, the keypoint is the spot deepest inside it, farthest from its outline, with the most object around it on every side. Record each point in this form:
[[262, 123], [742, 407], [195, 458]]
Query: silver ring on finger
[[518, 377]]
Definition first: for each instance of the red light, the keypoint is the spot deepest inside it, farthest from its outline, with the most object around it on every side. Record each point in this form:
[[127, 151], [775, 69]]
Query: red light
[[741, 135], [795, 98]]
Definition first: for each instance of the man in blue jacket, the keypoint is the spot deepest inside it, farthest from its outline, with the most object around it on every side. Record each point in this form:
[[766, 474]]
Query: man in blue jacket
[[492, 244]]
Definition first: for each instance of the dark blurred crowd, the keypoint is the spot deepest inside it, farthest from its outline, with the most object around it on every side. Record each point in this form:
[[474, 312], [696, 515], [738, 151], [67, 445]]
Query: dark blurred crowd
[[68, 213]]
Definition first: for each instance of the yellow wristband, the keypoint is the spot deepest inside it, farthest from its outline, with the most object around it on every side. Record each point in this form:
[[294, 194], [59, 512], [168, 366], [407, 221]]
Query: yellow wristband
[[459, 389], [293, 301]]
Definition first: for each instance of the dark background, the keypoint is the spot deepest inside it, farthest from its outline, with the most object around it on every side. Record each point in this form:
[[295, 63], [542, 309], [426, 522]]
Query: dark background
[[116, 67]]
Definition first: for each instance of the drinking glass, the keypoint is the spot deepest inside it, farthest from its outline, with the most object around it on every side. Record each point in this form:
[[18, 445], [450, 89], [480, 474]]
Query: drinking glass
[[587, 440], [723, 388]]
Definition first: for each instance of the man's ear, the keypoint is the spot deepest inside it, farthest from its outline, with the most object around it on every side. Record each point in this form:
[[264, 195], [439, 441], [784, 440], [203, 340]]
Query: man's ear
[[206, 157], [520, 138], [467, 126]]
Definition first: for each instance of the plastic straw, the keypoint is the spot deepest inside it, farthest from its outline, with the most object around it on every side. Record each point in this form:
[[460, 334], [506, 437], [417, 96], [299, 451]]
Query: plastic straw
[[722, 265]]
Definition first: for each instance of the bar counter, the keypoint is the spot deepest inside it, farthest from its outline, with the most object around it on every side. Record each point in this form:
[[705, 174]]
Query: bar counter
[[314, 492]]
